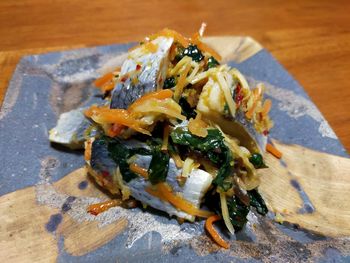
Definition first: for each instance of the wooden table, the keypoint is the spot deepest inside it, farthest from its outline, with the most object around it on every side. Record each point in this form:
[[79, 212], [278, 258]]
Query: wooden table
[[310, 38]]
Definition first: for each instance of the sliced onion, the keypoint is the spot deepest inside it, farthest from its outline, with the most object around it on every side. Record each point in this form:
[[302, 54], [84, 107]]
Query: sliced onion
[[235, 72], [227, 93], [225, 215]]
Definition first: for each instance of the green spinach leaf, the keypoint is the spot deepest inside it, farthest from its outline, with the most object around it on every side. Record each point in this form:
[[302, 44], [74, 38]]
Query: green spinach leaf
[[213, 147], [186, 109], [238, 212], [158, 168], [258, 202], [120, 154], [169, 83], [257, 160], [212, 62], [193, 52]]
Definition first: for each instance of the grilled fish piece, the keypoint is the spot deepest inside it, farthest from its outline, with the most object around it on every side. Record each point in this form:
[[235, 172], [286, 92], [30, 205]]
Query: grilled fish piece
[[212, 106], [70, 129], [144, 71], [104, 169]]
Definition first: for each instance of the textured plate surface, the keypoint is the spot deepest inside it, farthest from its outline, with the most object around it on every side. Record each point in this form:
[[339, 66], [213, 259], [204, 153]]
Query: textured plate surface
[[43, 86]]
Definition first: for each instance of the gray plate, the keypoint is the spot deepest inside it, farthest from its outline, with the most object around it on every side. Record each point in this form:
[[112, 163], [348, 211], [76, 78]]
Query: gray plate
[[43, 86]]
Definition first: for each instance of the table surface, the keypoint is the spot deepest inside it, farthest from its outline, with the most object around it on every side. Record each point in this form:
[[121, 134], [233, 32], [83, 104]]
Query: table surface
[[310, 38]]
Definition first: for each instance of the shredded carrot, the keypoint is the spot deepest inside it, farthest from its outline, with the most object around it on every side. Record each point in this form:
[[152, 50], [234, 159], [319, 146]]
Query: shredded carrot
[[104, 79], [272, 149], [177, 159], [213, 233], [104, 115], [96, 209], [108, 87], [139, 170], [167, 107], [87, 152], [171, 33], [204, 47], [160, 95], [195, 37], [197, 126], [154, 193], [115, 130], [257, 94], [166, 132], [266, 107], [180, 85], [249, 113], [167, 194]]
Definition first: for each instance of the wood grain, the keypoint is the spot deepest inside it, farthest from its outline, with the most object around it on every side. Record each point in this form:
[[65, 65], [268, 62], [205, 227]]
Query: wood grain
[[323, 178], [310, 38], [24, 236], [23, 239]]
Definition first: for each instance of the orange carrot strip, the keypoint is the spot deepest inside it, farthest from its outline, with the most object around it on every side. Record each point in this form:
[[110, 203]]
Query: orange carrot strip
[[87, 152], [115, 130], [256, 94], [96, 209], [154, 193], [249, 113], [180, 203], [272, 149], [160, 95], [104, 79], [103, 115], [195, 37], [180, 85], [197, 126], [213, 233], [108, 86], [171, 33], [139, 170], [266, 107], [204, 47]]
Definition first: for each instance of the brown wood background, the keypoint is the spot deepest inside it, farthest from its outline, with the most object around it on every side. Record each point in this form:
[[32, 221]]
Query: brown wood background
[[310, 38]]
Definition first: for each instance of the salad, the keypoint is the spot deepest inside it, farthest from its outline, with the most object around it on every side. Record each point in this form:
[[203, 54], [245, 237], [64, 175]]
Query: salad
[[176, 130]]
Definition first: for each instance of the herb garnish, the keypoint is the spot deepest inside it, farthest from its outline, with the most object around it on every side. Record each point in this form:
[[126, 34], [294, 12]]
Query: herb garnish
[[257, 160], [159, 166], [212, 62], [187, 110], [169, 83]]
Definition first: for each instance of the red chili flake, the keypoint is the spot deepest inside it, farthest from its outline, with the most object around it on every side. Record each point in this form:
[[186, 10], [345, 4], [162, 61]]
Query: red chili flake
[[117, 128], [238, 100], [266, 132], [238, 88], [124, 78], [238, 96], [138, 67], [105, 173]]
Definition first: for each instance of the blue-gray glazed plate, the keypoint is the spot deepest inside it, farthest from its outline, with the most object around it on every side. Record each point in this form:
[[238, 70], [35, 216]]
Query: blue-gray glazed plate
[[44, 193]]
